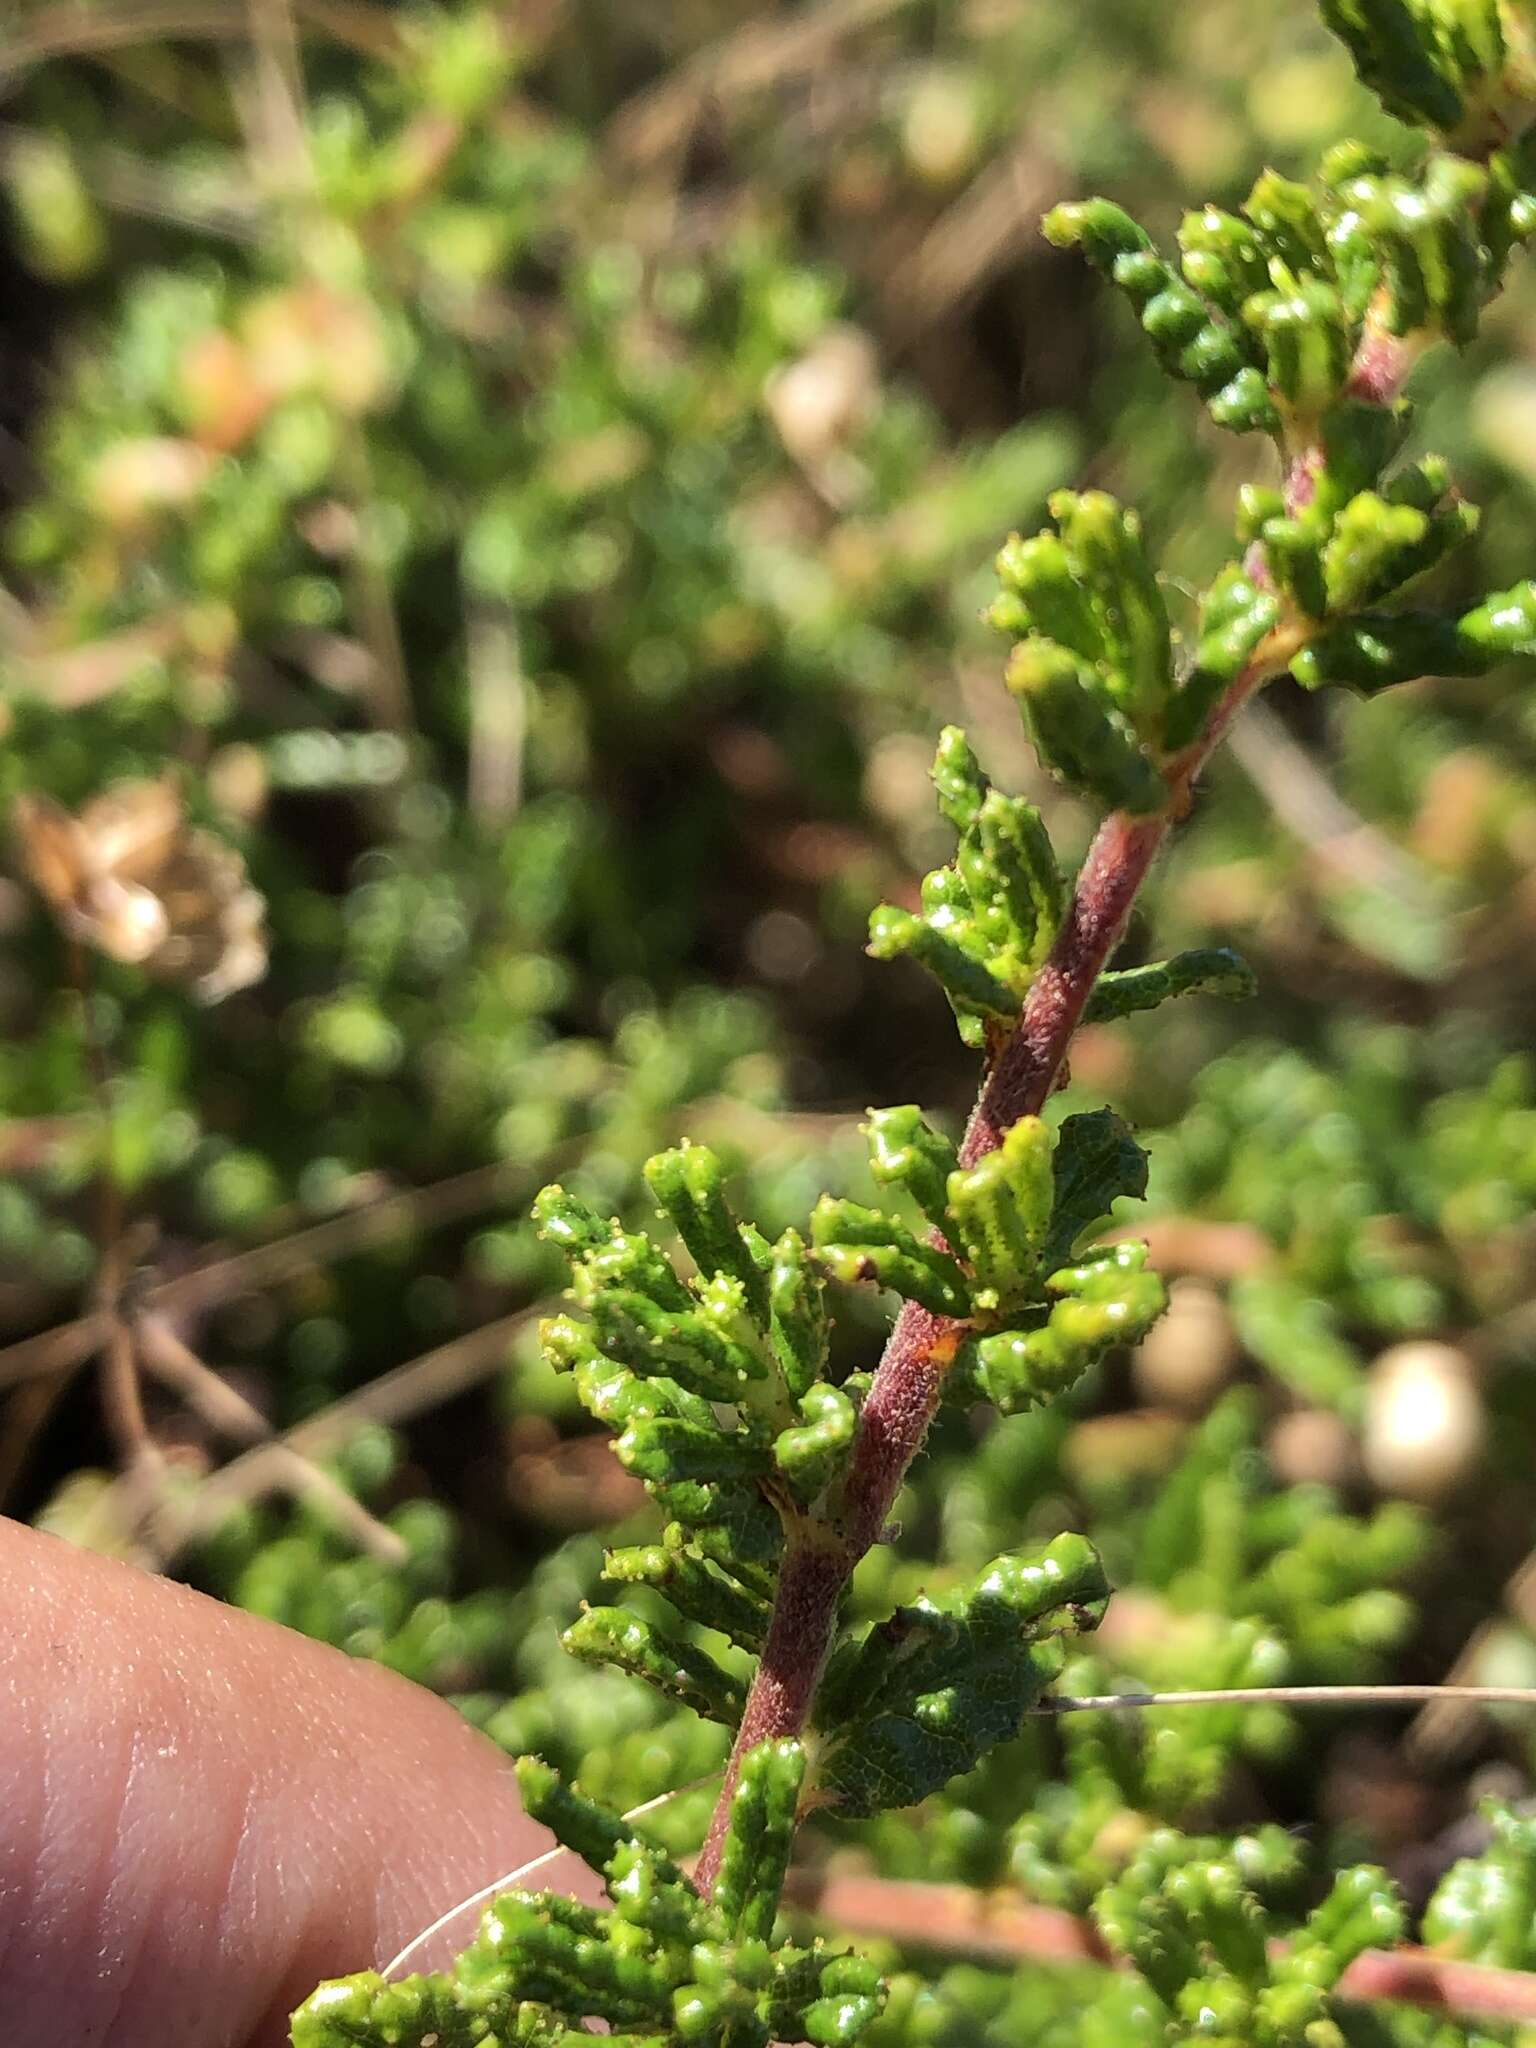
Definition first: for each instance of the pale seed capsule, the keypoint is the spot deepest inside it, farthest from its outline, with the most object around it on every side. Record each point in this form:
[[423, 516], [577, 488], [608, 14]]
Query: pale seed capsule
[[1425, 1430], [1312, 1447], [820, 402], [1187, 1357], [941, 131]]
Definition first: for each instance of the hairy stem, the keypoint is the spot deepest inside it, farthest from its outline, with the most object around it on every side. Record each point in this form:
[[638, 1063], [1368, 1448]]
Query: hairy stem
[[909, 1382], [904, 1395]]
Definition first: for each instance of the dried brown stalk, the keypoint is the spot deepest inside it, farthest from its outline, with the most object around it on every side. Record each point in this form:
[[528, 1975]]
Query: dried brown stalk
[[1004, 1927]]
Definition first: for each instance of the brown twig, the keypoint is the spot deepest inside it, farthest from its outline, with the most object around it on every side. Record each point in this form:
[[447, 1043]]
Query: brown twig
[[177, 1366], [972, 239], [753, 57], [819, 1557], [1305, 802], [1286, 1696], [81, 31], [1451, 1711], [222, 1279], [498, 715], [1004, 1927], [437, 1376], [122, 1400], [26, 1417], [370, 597], [268, 1265]]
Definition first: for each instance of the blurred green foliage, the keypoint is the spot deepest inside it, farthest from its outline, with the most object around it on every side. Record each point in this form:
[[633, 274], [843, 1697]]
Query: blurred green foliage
[[534, 481]]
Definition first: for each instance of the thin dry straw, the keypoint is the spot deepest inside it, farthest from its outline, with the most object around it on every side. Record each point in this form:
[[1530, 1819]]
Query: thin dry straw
[[1296, 1696], [499, 1884], [1097, 1703]]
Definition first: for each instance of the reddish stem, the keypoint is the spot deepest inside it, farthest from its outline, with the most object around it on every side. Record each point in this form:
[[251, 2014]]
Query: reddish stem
[[906, 1389], [905, 1392], [907, 1386], [1004, 1927]]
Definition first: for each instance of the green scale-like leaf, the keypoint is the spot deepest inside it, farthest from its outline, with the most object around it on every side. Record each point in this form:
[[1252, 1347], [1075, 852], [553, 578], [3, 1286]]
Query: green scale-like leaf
[[1000, 1214], [1103, 549], [1374, 652], [811, 1453], [1423, 58], [1093, 666], [988, 921], [905, 1151], [664, 1449], [673, 1665], [760, 1836], [418, 2012], [1012, 1218], [581, 1824], [857, 1243], [688, 1183], [1202, 971], [1097, 1161], [1078, 732], [700, 1590], [797, 1314], [1236, 616], [1106, 1301], [1196, 339], [922, 1696]]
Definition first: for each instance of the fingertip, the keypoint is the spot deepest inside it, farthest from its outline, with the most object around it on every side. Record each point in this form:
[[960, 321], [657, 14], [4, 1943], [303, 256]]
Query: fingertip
[[202, 1814]]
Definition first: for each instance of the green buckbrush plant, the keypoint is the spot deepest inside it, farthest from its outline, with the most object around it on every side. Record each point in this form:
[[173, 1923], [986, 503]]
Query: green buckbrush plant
[[774, 1466]]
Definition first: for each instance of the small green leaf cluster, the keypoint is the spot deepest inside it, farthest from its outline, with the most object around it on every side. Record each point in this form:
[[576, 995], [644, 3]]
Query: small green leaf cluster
[[1391, 1200], [1484, 1908], [1267, 309], [1092, 670], [1023, 1274], [1096, 668], [1299, 316], [658, 1963], [988, 918], [1188, 1915], [919, 1698], [1357, 528], [717, 1386], [1450, 64], [658, 1356]]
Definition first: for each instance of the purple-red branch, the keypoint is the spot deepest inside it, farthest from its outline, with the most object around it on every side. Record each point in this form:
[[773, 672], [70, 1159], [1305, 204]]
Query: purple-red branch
[[907, 1386]]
